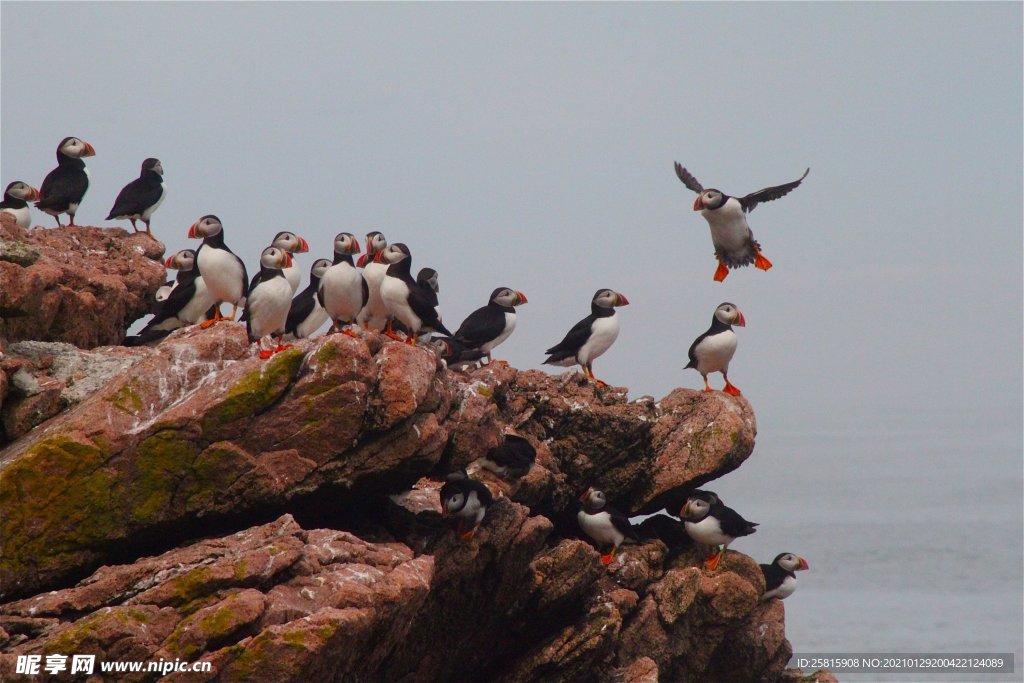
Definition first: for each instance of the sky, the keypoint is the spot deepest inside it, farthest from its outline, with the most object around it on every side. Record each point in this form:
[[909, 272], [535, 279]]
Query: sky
[[531, 146]]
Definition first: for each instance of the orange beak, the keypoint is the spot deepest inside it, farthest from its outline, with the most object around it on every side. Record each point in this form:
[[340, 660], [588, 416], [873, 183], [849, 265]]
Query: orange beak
[[623, 301], [89, 150], [286, 260], [362, 259], [355, 247], [378, 257], [585, 494], [698, 204], [803, 565], [522, 297], [303, 246], [169, 262], [33, 195], [685, 510], [740, 320], [193, 232]]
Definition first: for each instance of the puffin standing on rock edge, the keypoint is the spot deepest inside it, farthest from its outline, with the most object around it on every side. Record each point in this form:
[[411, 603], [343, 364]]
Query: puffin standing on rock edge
[[709, 522], [141, 197], [590, 337], [467, 501], [268, 301], [374, 315], [780, 575], [488, 326], [605, 525], [403, 296], [224, 272], [187, 303], [734, 242], [306, 315], [16, 198], [712, 351], [343, 289], [65, 186]]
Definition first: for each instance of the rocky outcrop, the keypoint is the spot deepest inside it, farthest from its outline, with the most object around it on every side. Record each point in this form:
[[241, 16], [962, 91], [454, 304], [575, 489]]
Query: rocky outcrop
[[83, 286]]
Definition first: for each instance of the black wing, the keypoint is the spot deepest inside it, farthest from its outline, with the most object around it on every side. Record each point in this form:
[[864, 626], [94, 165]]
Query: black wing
[[420, 305], [622, 523], [62, 186], [773, 576], [669, 530], [770, 193], [692, 353], [481, 326], [483, 494], [302, 306], [136, 197], [688, 179], [574, 340], [515, 453], [256, 279], [732, 523]]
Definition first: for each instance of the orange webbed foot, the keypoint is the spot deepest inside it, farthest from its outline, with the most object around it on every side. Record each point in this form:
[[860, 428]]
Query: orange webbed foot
[[350, 333], [281, 348], [265, 354], [721, 272], [731, 390], [761, 263], [467, 536], [606, 559], [712, 562]]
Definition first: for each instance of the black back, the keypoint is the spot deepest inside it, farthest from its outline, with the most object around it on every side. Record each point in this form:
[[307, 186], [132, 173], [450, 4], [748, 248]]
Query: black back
[[483, 325], [515, 453], [774, 575], [64, 185], [303, 305], [578, 335], [138, 195]]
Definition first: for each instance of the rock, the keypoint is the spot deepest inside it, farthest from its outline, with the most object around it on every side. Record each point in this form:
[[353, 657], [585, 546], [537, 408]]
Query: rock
[[79, 285]]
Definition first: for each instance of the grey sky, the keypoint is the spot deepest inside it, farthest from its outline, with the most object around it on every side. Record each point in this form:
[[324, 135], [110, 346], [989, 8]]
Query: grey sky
[[532, 145]]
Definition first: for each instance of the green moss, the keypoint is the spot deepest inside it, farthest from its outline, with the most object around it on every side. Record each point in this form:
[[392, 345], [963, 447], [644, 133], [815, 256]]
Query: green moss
[[127, 399], [162, 462], [190, 586], [294, 638], [257, 391], [327, 353], [72, 638]]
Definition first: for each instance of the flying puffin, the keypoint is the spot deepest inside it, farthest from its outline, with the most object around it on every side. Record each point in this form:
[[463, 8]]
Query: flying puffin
[[268, 300], [374, 315], [734, 242], [187, 303], [306, 315], [712, 351], [605, 525], [512, 458], [466, 500], [141, 197], [780, 575], [709, 522], [224, 272], [64, 187], [403, 297], [16, 199], [489, 325], [590, 337], [453, 353], [343, 289]]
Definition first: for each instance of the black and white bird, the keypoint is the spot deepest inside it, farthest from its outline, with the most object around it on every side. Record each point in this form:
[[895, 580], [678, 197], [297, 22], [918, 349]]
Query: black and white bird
[[427, 281], [268, 301], [590, 337], [605, 525], [187, 303], [467, 501], [223, 271], [727, 216], [453, 353], [374, 315], [306, 315], [780, 575], [712, 351], [16, 198], [140, 198], [164, 290], [65, 186], [293, 244], [343, 289], [709, 522], [404, 298], [488, 326], [512, 458]]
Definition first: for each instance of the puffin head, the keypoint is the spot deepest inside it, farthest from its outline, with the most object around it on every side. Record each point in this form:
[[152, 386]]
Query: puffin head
[[428, 276], [607, 298], [320, 267], [75, 148], [290, 242], [153, 165], [345, 244], [182, 260], [441, 346], [506, 296], [791, 562], [394, 253], [275, 258], [593, 500], [20, 190], [698, 506], [207, 226], [730, 314], [710, 199], [375, 243]]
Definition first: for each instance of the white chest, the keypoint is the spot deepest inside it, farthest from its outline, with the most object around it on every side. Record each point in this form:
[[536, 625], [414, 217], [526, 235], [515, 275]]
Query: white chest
[[268, 306], [707, 531], [342, 287], [395, 295], [195, 310], [510, 326], [293, 275], [783, 591], [149, 211], [729, 229], [603, 333], [600, 528], [715, 351], [223, 273], [23, 216]]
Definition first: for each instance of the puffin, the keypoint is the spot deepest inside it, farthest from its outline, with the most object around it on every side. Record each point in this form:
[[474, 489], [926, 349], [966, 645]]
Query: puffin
[[223, 272], [488, 326], [466, 500], [403, 297], [306, 315], [709, 522], [427, 281], [512, 458], [64, 187], [712, 351], [268, 300], [453, 353], [590, 337], [605, 525], [780, 575], [188, 301], [141, 197], [727, 216], [164, 290], [16, 198], [293, 244], [343, 289], [374, 315]]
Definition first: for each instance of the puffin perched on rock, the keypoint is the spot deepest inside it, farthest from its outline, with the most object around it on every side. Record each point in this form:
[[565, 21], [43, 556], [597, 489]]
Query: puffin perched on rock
[[727, 216], [453, 353], [140, 198], [590, 337], [223, 272], [488, 326], [712, 351], [780, 575], [427, 281], [65, 186], [16, 198], [188, 302], [269, 300], [709, 522], [466, 500], [343, 289], [403, 297], [306, 315], [512, 458], [605, 525], [374, 315]]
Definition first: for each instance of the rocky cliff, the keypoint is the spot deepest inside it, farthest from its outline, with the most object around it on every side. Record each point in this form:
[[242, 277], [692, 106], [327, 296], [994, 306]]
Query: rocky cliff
[[280, 519]]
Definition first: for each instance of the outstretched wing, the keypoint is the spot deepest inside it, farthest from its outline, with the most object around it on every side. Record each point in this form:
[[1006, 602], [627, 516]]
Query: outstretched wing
[[688, 179], [769, 193]]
